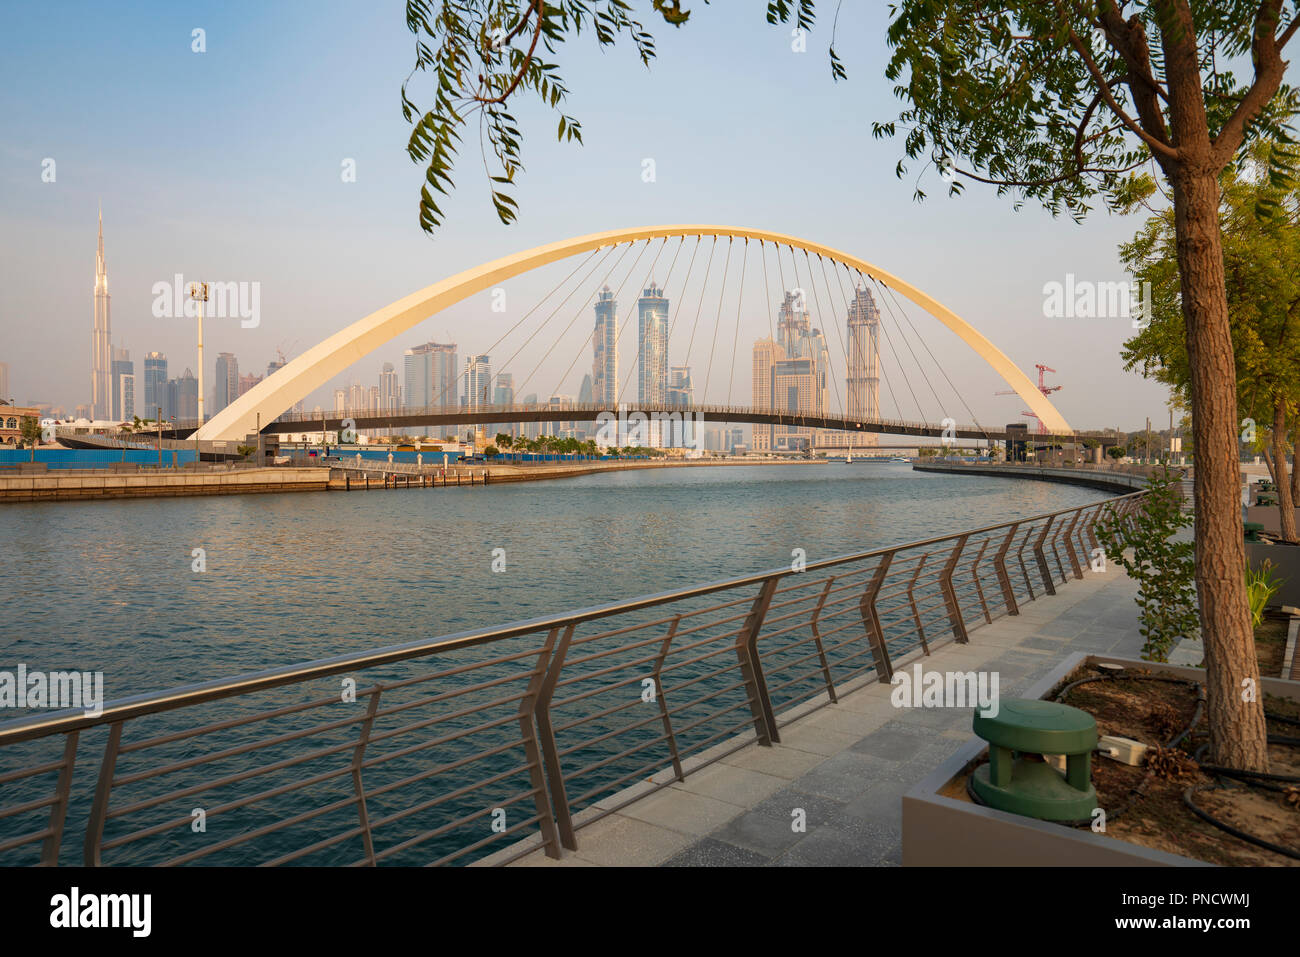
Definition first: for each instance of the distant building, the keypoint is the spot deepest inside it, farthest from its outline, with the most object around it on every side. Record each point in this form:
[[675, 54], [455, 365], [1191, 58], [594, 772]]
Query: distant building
[[561, 428], [504, 394], [431, 376], [790, 374], [246, 382], [4, 382], [122, 366], [183, 397], [227, 381], [652, 347], [766, 354], [680, 390], [863, 380], [390, 393], [101, 356], [155, 384], [604, 347], [272, 367], [531, 429], [478, 382], [11, 422], [124, 400]]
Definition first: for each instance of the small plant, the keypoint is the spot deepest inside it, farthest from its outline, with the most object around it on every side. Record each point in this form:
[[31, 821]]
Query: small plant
[[1163, 568], [1261, 585], [244, 451]]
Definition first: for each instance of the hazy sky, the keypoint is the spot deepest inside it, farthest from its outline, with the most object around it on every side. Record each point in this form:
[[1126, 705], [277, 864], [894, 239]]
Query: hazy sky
[[226, 165]]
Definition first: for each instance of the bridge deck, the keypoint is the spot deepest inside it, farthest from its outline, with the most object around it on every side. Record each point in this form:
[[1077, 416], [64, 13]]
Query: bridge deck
[[592, 412]]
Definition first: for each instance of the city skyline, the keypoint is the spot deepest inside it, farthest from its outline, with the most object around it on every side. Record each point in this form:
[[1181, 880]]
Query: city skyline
[[315, 290]]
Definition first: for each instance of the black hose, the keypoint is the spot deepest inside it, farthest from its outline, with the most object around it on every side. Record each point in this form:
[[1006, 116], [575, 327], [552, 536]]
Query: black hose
[[1228, 828]]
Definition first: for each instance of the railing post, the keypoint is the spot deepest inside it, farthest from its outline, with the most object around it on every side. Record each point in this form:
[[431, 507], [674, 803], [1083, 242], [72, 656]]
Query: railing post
[[358, 755], [1041, 558], [546, 734], [59, 809], [1090, 526], [1069, 545], [817, 637], [531, 716], [911, 600], [1000, 566], [871, 621], [979, 586], [99, 810], [663, 703], [751, 668], [950, 593]]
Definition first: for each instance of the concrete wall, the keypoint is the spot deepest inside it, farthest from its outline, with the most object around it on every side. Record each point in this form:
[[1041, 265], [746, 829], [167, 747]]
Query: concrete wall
[[71, 487], [1110, 481]]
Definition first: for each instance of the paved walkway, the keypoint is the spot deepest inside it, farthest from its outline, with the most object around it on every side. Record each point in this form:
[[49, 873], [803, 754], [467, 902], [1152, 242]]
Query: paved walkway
[[847, 765]]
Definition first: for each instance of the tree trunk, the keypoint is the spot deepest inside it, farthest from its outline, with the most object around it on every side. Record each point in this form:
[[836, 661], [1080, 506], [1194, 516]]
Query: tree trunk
[[1295, 472], [1234, 701], [1285, 503]]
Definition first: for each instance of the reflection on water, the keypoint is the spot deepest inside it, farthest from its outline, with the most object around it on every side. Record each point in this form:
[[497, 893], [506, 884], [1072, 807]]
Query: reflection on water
[[109, 586]]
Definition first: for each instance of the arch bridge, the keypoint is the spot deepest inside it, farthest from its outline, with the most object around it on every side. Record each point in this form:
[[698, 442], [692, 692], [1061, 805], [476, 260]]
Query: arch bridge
[[264, 406]]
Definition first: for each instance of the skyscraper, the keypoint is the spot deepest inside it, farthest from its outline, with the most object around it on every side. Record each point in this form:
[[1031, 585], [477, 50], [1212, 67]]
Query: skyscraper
[[478, 382], [430, 373], [390, 393], [155, 384], [504, 394], [5, 395], [227, 384], [652, 354], [183, 397], [604, 347], [799, 342], [122, 367], [767, 353], [101, 358], [652, 347], [680, 390], [863, 381]]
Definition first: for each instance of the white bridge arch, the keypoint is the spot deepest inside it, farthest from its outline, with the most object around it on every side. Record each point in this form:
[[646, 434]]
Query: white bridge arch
[[331, 356]]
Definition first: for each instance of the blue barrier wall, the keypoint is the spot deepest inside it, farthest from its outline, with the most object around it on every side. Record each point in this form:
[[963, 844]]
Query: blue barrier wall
[[95, 458]]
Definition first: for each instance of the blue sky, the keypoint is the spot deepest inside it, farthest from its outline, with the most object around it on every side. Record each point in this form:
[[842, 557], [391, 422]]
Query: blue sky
[[227, 165]]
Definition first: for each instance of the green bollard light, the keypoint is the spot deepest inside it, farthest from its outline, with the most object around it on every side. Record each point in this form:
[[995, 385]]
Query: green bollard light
[[1017, 778]]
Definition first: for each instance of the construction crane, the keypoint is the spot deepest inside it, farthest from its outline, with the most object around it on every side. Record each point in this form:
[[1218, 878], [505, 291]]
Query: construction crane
[[1043, 387]]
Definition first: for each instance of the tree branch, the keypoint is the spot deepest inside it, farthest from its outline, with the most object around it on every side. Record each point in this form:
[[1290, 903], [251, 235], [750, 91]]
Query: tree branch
[[1268, 78]]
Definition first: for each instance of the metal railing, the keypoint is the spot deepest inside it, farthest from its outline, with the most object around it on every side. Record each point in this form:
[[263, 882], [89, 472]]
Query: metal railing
[[445, 750]]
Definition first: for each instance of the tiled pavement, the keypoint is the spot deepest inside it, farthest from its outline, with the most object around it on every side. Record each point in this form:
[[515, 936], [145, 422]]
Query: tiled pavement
[[847, 765]]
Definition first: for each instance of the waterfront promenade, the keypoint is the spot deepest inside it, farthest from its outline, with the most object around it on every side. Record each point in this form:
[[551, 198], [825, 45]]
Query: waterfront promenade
[[847, 765]]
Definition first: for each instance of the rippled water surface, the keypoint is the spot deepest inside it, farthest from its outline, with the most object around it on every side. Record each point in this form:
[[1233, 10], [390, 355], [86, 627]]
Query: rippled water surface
[[109, 586]]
